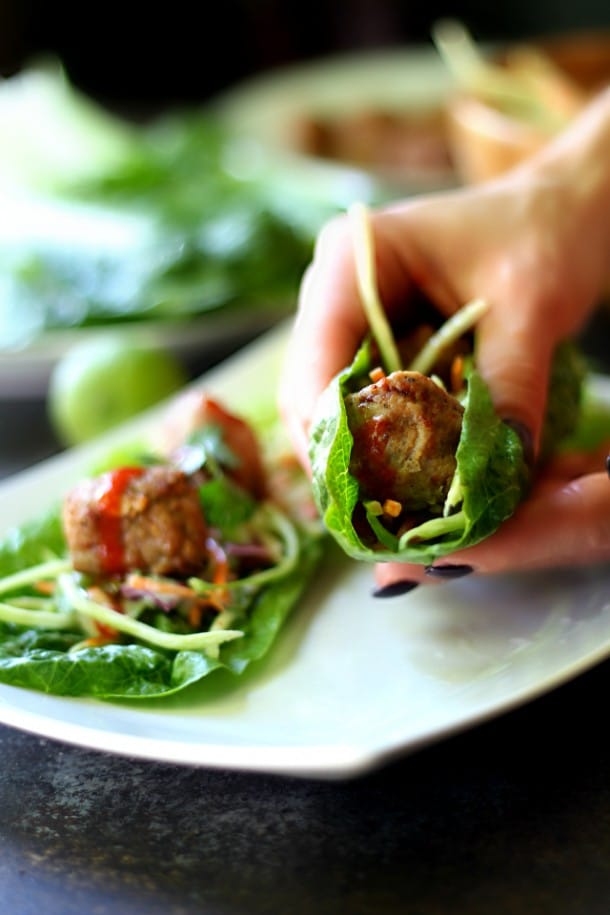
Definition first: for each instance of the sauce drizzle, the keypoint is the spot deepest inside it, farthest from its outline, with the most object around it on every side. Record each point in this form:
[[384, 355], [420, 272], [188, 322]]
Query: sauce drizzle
[[109, 497]]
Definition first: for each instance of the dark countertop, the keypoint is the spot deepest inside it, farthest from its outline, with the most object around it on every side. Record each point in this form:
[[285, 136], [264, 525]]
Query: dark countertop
[[512, 816]]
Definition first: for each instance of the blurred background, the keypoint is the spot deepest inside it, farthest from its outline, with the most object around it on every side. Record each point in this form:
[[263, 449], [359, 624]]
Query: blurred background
[[141, 215], [136, 54]]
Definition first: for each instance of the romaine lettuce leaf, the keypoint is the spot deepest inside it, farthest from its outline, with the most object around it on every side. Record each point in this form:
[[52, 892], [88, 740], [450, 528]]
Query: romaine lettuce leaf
[[491, 467], [42, 660]]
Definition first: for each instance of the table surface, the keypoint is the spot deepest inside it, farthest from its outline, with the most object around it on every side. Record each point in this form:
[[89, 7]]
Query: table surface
[[512, 816]]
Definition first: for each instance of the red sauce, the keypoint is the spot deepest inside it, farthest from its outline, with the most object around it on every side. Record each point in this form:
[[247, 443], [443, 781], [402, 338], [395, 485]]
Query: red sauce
[[110, 495], [375, 473]]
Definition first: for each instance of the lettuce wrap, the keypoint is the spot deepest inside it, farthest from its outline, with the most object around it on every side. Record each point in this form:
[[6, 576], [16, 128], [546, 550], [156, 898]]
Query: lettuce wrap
[[490, 474], [72, 629]]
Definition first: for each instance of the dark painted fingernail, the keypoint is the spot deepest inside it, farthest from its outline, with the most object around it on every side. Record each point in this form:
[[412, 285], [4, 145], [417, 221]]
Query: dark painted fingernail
[[526, 438], [395, 589], [449, 571], [608, 465]]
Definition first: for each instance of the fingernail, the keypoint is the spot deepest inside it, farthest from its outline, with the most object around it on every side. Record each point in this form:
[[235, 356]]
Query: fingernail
[[449, 571], [526, 438], [395, 589]]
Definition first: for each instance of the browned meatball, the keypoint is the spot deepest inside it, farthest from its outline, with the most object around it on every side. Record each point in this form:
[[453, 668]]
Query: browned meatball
[[406, 430], [148, 519]]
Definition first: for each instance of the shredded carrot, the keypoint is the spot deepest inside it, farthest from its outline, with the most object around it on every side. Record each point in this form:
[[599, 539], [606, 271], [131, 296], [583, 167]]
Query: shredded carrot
[[103, 597], [215, 600], [376, 374], [44, 587], [196, 603], [97, 642], [220, 574], [159, 585], [392, 508], [194, 615], [106, 633], [457, 373]]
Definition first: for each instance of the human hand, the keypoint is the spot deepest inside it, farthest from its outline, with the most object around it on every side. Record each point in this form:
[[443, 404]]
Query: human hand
[[514, 243], [565, 521], [534, 244]]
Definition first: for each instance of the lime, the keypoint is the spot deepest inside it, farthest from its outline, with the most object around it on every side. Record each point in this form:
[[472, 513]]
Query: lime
[[106, 379]]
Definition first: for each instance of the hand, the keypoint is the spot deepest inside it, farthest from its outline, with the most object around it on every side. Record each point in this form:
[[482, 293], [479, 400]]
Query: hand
[[514, 243], [564, 522], [535, 245]]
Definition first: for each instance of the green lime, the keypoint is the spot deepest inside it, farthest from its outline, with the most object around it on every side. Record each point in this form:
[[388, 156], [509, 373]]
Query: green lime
[[106, 379]]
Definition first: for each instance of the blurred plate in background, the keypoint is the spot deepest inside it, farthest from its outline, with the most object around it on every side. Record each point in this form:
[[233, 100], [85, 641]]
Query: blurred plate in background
[[381, 111]]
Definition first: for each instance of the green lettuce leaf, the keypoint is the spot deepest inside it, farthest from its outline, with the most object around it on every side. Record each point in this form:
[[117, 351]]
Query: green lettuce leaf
[[491, 467], [42, 660]]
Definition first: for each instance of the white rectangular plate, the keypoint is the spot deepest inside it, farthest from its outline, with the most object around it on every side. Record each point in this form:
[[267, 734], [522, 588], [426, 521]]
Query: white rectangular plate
[[353, 681]]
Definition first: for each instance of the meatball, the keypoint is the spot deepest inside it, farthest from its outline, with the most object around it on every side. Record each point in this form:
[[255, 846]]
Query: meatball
[[406, 430], [149, 519]]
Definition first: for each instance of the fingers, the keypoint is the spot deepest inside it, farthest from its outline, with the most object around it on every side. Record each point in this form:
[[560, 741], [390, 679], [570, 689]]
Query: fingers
[[517, 276], [331, 323], [514, 351], [570, 464], [327, 331], [568, 525], [395, 578], [565, 522]]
